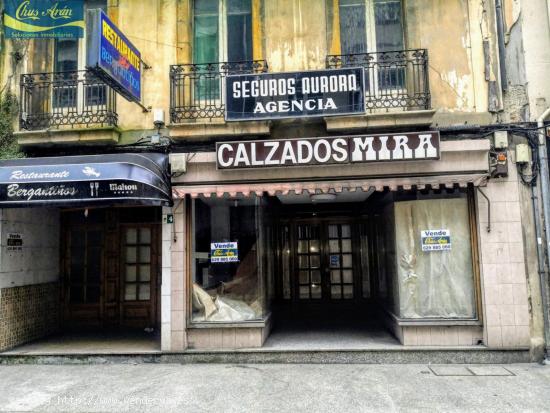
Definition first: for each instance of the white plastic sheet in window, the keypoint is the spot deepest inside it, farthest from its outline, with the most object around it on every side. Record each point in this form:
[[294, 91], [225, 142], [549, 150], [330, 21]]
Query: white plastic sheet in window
[[435, 284]]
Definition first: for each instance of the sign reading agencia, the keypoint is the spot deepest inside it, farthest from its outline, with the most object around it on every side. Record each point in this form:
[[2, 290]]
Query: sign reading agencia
[[112, 57], [329, 150], [295, 94]]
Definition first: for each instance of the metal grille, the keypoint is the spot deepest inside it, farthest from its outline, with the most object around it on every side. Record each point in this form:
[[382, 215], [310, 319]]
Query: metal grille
[[397, 79], [196, 90], [59, 99]]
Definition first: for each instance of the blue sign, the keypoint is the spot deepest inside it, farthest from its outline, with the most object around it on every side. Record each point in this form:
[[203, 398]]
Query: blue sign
[[112, 56], [25, 19]]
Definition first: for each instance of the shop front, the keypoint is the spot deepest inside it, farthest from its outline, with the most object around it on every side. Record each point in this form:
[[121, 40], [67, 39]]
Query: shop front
[[370, 233], [89, 251]]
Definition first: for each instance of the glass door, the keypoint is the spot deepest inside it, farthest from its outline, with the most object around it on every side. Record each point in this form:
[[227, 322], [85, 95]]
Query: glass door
[[323, 258]]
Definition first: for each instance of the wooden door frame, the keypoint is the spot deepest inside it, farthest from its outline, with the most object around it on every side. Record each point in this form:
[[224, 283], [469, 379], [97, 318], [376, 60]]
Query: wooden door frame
[[154, 288]]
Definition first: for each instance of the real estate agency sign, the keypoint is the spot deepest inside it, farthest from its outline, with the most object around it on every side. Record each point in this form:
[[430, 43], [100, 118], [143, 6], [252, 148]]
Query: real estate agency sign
[[328, 150], [295, 94]]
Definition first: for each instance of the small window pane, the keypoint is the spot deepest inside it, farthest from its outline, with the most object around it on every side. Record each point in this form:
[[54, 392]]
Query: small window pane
[[336, 291], [315, 261], [335, 276], [304, 277], [144, 292], [131, 236], [145, 236], [346, 231], [346, 261], [333, 231], [303, 261], [304, 291], [334, 245], [316, 277], [348, 291], [130, 273], [314, 246], [144, 254], [346, 245], [302, 247], [144, 272], [348, 276], [131, 254], [130, 292], [315, 291]]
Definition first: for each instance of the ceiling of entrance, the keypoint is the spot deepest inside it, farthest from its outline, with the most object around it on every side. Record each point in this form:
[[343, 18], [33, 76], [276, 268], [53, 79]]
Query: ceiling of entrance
[[344, 196]]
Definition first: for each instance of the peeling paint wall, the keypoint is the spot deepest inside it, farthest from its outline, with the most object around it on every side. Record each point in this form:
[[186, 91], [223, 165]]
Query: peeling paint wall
[[295, 33], [298, 34]]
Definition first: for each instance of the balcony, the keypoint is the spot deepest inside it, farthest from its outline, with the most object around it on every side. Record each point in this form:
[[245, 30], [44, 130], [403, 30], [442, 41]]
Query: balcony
[[393, 80], [197, 100], [66, 107]]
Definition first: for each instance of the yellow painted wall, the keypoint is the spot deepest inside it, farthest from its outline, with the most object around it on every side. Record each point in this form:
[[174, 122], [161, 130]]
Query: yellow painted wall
[[298, 34]]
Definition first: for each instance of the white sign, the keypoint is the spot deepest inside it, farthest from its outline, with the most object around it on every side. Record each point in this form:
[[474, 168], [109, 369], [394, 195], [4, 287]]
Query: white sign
[[436, 240], [14, 242], [224, 252]]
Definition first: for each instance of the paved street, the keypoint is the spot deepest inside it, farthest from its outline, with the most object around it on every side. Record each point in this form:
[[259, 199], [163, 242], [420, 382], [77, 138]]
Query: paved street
[[274, 388]]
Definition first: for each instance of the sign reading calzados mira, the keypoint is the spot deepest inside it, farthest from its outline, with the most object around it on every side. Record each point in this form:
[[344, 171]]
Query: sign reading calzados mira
[[329, 150], [295, 94]]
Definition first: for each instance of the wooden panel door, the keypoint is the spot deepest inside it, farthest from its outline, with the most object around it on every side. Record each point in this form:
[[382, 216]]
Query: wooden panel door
[[83, 267], [139, 255]]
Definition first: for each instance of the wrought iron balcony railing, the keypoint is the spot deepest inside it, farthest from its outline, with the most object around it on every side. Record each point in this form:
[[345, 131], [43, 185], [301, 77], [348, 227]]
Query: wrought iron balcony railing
[[393, 80], [62, 100], [196, 90]]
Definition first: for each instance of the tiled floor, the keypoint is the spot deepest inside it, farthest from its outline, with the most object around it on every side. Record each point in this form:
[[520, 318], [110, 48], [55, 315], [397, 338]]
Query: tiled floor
[[329, 335], [92, 343]]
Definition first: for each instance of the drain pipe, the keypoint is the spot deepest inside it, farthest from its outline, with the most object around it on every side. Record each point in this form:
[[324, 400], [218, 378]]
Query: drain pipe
[[544, 186]]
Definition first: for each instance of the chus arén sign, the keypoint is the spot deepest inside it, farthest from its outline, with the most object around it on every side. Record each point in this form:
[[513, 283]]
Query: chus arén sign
[[328, 150], [43, 18], [295, 94], [112, 56]]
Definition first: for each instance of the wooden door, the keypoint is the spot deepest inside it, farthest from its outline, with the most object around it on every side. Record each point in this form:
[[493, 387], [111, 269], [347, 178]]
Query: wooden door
[[139, 274], [324, 261], [83, 267]]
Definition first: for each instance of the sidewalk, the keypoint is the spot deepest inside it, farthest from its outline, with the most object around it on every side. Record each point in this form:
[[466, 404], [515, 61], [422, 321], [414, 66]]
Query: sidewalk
[[274, 388]]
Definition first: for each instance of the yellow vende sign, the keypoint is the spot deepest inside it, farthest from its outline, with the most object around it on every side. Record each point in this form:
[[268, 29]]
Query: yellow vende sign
[[44, 18]]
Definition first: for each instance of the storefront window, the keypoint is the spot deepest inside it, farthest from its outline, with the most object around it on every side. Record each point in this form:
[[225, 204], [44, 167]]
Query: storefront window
[[433, 259], [228, 263]]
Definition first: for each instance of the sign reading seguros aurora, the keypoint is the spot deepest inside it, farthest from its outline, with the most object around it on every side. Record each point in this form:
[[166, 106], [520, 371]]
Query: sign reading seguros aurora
[[26, 19], [295, 94], [112, 56]]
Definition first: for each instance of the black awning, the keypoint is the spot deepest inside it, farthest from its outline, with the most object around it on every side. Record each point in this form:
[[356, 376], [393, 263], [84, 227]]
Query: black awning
[[128, 178]]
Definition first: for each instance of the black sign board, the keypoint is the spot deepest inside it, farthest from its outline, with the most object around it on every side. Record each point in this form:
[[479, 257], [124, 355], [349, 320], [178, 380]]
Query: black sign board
[[329, 150], [85, 180], [295, 94]]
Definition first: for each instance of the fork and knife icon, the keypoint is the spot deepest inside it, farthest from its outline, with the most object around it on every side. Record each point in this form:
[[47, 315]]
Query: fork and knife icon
[[94, 186]]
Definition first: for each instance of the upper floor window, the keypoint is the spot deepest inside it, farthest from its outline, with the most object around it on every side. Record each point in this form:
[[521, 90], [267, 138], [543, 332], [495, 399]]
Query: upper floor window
[[368, 26], [222, 31]]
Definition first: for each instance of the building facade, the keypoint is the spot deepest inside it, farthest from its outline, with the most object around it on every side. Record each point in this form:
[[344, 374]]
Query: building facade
[[333, 163]]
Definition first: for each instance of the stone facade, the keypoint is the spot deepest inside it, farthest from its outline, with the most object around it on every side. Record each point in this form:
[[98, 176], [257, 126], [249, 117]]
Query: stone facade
[[27, 313]]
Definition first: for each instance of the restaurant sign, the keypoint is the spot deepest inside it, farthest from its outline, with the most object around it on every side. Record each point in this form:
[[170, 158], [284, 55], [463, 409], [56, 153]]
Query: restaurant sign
[[112, 56], [295, 94], [26, 19], [329, 150]]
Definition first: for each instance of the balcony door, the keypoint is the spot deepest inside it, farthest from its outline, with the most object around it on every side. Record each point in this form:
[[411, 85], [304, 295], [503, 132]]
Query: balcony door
[[375, 27], [222, 32], [73, 90]]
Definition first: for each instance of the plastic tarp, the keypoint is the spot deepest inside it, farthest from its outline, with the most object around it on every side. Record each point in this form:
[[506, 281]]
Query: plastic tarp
[[434, 284]]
